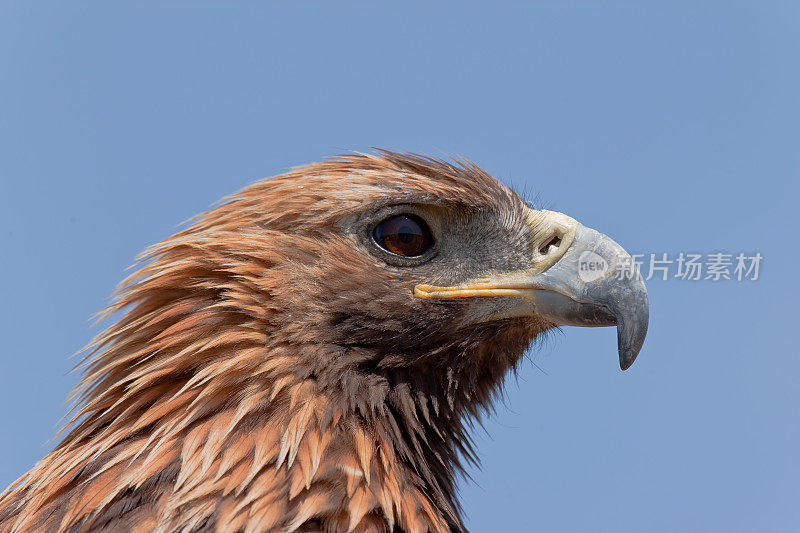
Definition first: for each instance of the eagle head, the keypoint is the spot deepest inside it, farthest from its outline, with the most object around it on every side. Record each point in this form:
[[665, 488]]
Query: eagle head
[[310, 354]]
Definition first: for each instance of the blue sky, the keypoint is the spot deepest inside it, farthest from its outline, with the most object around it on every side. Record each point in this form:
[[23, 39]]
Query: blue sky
[[672, 127]]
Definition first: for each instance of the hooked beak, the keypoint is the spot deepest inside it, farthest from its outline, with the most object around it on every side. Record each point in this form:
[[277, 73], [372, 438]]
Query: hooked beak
[[580, 277]]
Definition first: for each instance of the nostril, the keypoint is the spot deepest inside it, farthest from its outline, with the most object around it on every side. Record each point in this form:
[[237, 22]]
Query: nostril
[[550, 245]]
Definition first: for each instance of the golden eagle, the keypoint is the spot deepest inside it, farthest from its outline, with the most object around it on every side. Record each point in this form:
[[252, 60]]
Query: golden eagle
[[309, 355]]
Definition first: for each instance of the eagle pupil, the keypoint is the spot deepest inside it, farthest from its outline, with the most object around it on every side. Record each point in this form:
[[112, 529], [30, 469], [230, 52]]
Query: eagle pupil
[[407, 235]]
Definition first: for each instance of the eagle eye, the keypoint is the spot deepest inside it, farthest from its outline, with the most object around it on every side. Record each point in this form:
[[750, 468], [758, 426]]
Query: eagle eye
[[406, 235]]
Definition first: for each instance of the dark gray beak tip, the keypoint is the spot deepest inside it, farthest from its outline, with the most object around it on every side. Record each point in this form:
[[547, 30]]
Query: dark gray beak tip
[[627, 350], [632, 327], [626, 359]]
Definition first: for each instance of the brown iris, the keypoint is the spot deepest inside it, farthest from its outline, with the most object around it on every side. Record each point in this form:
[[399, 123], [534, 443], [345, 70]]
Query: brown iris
[[407, 235]]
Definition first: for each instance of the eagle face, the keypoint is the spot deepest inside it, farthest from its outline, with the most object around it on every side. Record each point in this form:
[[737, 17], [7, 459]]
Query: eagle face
[[309, 355], [417, 263]]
